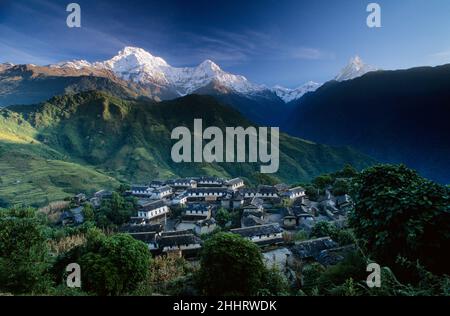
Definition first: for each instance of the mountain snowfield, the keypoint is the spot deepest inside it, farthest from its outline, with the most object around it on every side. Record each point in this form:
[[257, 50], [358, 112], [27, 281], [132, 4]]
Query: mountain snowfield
[[139, 66], [288, 95], [355, 68]]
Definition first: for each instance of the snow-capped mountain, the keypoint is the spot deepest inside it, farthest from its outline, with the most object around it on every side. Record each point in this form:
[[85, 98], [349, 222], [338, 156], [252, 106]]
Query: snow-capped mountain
[[139, 66], [356, 68], [288, 95]]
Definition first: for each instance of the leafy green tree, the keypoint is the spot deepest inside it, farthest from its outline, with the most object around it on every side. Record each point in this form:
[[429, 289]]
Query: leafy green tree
[[230, 265], [353, 266], [24, 254], [223, 217], [312, 192], [114, 265], [88, 212], [324, 229], [323, 181], [115, 211], [399, 213], [347, 172], [341, 187], [274, 283]]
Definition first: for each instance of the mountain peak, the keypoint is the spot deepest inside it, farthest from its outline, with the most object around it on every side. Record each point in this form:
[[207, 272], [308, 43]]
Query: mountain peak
[[288, 95], [355, 68], [131, 58], [209, 65]]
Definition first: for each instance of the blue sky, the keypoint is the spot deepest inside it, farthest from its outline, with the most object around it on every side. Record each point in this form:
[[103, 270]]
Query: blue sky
[[284, 42]]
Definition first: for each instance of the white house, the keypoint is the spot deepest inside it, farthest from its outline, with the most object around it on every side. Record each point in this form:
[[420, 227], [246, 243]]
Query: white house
[[295, 193], [183, 242], [209, 182], [248, 193], [147, 237], [162, 192], [184, 183], [142, 190], [205, 227], [153, 209], [198, 211], [180, 199], [262, 235], [235, 184], [206, 192], [267, 192]]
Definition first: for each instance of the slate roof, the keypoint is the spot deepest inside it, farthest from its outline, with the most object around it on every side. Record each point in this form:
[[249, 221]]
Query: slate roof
[[258, 230], [152, 205], [176, 233], [330, 257], [206, 222], [251, 221], [254, 212], [248, 191], [179, 240], [265, 189], [78, 214], [312, 248], [234, 181], [257, 202], [208, 190], [296, 190], [198, 207], [209, 179], [147, 228], [163, 189], [140, 188]]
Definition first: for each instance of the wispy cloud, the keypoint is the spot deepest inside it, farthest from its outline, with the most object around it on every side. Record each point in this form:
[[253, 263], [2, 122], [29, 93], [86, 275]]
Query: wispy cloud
[[237, 48], [310, 54]]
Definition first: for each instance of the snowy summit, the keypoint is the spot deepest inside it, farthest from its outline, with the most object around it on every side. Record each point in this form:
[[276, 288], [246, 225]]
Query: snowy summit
[[356, 68]]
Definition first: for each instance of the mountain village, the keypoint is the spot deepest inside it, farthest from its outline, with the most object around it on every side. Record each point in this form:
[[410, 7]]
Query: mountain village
[[173, 217]]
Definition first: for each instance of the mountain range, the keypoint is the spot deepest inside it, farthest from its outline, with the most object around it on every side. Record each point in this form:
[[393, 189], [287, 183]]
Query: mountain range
[[397, 116], [155, 78], [135, 73]]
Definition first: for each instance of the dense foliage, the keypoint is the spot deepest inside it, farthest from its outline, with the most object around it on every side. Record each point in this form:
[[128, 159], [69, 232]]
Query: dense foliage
[[231, 265], [400, 214], [24, 254]]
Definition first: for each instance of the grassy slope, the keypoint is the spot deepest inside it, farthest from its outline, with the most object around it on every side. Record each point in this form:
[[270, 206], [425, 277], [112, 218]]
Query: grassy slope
[[50, 150], [31, 173], [132, 139]]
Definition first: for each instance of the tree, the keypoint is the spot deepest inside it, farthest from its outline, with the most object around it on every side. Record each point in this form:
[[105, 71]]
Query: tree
[[88, 212], [341, 187], [399, 213], [115, 210], [223, 217], [24, 254], [324, 229], [275, 283], [114, 265], [312, 192], [230, 265], [347, 172], [323, 181]]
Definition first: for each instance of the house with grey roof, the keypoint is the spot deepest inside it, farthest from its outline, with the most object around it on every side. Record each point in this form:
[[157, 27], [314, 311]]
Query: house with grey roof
[[153, 209], [186, 244], [262, 235], [235, 184]]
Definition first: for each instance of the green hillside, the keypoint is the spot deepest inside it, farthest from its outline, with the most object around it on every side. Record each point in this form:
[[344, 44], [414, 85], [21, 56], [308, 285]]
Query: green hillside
[[130, 141], [32, 173]]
